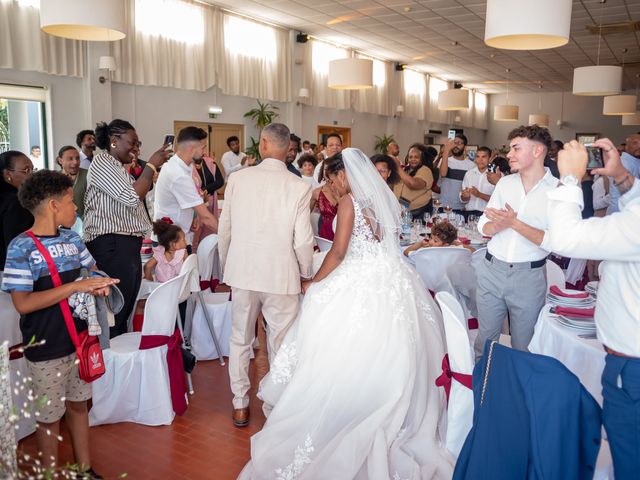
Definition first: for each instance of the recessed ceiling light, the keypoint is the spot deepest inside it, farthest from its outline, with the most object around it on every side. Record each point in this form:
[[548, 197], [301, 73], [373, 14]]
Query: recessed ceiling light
[[407, 9]]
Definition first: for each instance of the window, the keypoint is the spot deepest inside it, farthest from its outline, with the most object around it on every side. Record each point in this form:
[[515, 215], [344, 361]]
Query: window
[[436, 86], [414, 83], [250, 39], [172, 19], [322, 53], [379, 74], [480, 102]]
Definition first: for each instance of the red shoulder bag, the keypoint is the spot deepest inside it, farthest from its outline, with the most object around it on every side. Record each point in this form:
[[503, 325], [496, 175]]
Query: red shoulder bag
[[88, 351]]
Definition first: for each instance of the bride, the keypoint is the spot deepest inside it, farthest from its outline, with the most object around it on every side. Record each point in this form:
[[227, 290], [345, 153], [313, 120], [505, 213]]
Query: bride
[[353, 385]]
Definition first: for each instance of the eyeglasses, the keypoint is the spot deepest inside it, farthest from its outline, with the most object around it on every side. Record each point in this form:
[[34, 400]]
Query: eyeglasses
[[383, 170], [25, 171]]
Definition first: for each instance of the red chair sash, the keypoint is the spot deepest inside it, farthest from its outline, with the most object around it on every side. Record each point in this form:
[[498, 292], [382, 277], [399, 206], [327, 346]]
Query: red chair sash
[[447, 376], [473, 323], [209, 284], [15, 352], [174, 363]]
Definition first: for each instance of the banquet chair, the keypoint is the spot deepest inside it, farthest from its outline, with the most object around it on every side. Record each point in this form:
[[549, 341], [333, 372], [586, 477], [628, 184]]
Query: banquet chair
[[555, 275], [136, 384], [18, 368], [432, 264], [208, 259], [477, 257], [323, 244], [460, 361]]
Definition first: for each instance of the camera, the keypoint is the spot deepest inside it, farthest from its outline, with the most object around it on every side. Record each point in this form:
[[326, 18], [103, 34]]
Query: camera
[[595, 158], [492, 168]]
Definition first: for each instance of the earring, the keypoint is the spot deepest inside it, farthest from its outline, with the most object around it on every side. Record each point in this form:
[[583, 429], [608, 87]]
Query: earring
[[113, 145]]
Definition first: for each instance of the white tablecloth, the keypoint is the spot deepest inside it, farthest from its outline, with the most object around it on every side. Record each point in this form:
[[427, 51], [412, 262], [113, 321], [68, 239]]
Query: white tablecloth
[[584, 357]]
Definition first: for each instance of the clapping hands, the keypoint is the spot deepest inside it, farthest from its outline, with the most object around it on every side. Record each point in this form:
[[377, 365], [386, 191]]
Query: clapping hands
[[502, 218]]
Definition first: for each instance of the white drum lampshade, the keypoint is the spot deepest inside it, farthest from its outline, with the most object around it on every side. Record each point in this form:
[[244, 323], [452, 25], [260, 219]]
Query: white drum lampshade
[[453, 99], [351, 74], [107, 63], [620, 105], [527, 25], [93, 20], [506, 113], [597, 80], [540, 119], [633, 119]]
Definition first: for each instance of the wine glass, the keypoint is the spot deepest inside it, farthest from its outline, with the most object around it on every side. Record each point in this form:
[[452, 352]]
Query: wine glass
[[437, 204], [448, 210]]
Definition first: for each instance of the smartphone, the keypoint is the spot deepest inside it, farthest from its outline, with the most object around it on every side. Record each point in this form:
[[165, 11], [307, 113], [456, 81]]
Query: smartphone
[[492, 168], [168, 139], [596, 158], [451, 135]]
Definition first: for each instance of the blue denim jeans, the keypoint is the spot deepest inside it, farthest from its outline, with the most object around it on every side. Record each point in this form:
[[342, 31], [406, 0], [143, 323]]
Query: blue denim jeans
[[621, 414]]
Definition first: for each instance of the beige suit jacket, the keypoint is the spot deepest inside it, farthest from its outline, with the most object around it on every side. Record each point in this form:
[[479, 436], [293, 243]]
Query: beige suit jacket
[[265, 236]]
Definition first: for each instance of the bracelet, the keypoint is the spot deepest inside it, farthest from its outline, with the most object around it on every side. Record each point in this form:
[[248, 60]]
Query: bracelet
[[152, 167]]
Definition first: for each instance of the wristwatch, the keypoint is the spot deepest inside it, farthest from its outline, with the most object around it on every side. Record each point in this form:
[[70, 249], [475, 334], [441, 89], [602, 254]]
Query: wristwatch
[[570, 180]]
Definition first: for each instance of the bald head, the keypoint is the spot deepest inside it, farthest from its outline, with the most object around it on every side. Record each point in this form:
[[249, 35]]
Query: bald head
[[633, 145]]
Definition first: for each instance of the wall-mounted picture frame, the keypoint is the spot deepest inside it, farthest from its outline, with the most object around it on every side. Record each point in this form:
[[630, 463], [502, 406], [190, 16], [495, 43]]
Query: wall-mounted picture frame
[[587, 138]]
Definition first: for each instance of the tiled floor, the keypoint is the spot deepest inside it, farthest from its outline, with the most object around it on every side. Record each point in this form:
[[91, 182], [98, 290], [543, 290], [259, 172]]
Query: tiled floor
[[202, 444]]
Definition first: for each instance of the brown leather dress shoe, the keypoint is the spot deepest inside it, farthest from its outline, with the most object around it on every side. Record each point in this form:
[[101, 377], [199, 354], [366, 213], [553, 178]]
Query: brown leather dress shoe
[[240, 417]]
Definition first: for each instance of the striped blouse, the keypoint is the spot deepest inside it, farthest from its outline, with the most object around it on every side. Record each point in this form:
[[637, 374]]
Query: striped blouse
[[111, 205]]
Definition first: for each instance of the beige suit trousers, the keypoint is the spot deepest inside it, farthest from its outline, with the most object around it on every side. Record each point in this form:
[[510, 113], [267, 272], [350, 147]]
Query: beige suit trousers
[[279, 312]]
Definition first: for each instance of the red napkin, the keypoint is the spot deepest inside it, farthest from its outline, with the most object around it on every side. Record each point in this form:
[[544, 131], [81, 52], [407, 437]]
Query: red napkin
[[464, 240], [561, 293], [576, 312]]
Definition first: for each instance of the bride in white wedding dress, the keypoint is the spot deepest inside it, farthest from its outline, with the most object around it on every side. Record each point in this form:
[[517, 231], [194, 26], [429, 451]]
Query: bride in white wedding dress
[[353, 385]]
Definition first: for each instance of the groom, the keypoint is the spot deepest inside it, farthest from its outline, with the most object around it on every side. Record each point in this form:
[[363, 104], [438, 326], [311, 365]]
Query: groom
[[266, 246]]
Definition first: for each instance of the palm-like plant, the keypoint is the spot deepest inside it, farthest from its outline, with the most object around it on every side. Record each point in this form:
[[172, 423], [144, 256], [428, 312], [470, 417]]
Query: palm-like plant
[[253, 150], [263, 115], [382, 143]]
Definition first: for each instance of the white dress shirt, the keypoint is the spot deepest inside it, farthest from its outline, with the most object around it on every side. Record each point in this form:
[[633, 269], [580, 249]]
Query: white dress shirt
[[478, 179], [508, 245], [232, 162], [176, 195], [614, 239], [85, 162]]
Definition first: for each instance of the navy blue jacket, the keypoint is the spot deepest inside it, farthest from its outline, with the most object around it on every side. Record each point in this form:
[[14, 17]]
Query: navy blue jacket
[[536, 422]]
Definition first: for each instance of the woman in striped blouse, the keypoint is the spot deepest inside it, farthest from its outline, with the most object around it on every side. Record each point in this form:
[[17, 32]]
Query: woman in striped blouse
[[115, 220]]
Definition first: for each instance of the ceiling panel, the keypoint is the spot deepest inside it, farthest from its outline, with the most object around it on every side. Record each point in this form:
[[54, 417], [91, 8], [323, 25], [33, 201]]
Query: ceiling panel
[[421, 32]]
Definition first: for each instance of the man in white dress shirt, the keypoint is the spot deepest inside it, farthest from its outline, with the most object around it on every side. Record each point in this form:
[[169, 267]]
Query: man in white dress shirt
[[616, 240], [176, 194], [512, 277], [476, 188], [234, 159], [334, 145]]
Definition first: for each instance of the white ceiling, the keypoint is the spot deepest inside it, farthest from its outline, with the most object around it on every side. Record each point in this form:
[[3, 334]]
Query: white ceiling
[[421, 33]]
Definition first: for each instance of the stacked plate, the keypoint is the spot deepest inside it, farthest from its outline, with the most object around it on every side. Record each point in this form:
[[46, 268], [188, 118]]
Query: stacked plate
[[561, 301], [591, 288], [581, 325]]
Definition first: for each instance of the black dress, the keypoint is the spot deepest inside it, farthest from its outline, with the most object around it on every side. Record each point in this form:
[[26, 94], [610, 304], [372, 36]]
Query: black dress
[[14, 219]]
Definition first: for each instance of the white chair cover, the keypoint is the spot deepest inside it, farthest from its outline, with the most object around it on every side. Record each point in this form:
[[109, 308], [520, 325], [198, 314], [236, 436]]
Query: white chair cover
[[464, 282], [432, 265], [219, 309], [575, 270], [323, 244], [315, 221], [555, 275], [18, 369], [478, 256], [135, 387], [460, 409], [208, 259]]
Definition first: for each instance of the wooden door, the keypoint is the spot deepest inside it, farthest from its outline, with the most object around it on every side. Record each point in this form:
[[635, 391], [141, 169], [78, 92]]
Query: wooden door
[[344, 132], [217, 139]]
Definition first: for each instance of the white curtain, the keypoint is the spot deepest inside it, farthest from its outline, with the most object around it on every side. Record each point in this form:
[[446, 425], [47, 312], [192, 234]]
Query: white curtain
[[24, 47], [256, 60], [414, 93], [466, 115], [436, 86], [317, 57], [376, 99], [481, 113]]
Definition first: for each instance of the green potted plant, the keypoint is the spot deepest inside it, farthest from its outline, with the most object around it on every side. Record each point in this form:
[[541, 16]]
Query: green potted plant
[[262, 116], [382, 143]]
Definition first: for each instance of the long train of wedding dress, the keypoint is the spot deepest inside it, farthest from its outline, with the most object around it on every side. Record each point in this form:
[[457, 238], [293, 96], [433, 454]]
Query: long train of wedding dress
[[353, 384]]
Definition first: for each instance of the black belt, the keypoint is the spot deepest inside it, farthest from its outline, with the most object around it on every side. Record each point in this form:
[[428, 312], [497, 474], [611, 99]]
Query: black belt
[[536, 264]]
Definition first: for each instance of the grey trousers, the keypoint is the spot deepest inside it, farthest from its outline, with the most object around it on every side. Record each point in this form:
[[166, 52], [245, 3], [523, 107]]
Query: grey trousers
[[508, 287]]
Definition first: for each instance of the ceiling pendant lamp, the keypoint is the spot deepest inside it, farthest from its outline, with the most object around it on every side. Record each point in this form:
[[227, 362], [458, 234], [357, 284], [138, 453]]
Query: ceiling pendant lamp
[[453, 99], [351, 74], [507, 112], [527, 25], [620, 105], [633, 119], [597, 80], [540, 119], [92, 20]]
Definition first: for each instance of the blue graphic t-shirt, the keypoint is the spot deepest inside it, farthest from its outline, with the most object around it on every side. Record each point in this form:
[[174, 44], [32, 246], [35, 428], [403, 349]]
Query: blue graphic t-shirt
[[26, 271]]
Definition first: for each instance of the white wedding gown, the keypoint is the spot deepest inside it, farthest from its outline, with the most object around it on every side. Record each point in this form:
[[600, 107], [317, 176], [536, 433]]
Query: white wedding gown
[[353, 384]]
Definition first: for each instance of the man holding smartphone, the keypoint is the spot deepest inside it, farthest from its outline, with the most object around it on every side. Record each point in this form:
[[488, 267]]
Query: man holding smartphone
[[453, 168], [615, 239]]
